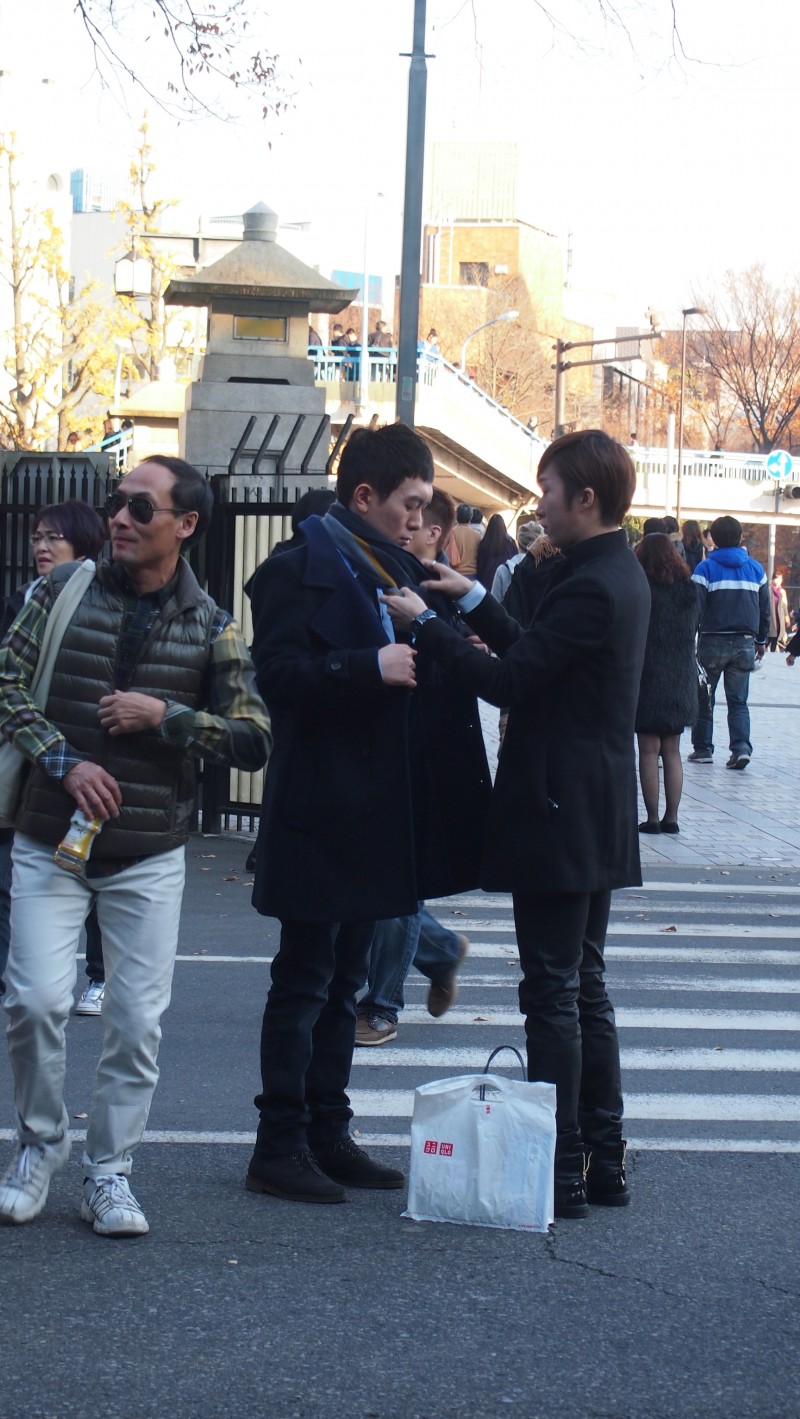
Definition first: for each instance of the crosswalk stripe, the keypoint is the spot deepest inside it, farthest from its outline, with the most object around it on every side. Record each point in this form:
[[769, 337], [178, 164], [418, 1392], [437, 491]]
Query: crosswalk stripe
[[636, 928], [667, 1059], [500, 951], [730, 985], [628, 1017], [626, 894], [662, 1144], [730, 1108]]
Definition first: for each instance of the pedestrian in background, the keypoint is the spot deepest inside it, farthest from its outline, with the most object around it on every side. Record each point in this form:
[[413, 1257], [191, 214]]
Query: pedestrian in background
[[62, 532], [527, 532], [733, 616], [668, 689], [693, 545], [495, 549], [778, 613]]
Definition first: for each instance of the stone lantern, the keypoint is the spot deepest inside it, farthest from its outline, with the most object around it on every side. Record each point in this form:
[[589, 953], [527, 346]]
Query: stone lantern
[[255, 410]]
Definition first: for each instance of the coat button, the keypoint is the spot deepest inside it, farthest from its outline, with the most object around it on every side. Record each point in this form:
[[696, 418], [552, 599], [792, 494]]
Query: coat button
[[336, 665]]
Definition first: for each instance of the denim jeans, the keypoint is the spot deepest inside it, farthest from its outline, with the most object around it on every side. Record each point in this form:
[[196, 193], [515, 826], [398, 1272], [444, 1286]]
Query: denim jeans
[[569, 1020], [419, 939], [733, 658]]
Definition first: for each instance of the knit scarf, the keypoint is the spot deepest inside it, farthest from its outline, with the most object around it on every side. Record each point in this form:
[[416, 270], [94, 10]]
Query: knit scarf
[[381, 563]]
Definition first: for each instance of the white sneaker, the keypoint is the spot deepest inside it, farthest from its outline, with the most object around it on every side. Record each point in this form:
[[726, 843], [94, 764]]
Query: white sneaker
[[91, 1002], [26, 1182], [111, 1207]]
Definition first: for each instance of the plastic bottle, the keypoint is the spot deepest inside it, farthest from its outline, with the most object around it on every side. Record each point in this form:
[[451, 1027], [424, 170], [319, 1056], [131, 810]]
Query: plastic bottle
[[75, 848]]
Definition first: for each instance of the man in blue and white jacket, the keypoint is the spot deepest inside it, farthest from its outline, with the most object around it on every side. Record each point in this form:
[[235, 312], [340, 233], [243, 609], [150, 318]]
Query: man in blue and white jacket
[[733, 620]]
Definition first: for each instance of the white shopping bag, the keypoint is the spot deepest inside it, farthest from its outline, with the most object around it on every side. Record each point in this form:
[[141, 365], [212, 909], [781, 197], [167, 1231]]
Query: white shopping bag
[[482, 1152]]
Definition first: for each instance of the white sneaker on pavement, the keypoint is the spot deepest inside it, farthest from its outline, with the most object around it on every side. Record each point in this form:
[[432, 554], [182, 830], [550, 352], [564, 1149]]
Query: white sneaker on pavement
[[111, 1207], [91, 1002], [26, 1181]]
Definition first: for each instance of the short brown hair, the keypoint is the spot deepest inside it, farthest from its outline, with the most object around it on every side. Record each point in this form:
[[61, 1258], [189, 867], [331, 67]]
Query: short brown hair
[[441, 512], [590, 459]]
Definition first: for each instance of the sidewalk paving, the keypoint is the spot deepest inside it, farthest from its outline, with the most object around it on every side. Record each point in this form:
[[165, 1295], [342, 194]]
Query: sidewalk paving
[[731, 819]]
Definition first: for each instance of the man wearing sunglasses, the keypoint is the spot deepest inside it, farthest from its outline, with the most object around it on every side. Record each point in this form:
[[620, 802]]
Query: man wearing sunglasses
[[150, 676]]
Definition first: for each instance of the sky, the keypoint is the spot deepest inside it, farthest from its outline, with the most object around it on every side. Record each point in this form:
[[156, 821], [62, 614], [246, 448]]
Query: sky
[[667, 161]]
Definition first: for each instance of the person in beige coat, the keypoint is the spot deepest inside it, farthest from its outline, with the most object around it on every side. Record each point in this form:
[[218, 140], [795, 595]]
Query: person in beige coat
[[778, 613]]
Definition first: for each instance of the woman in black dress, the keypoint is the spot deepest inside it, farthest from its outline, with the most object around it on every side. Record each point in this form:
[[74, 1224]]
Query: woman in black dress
[[668, 689]]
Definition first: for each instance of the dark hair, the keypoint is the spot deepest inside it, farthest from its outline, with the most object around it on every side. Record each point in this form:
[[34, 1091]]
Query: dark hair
[[726, 531], [660, 562], [691, 531], [496, 536], [316, 500], [590, 459], [383, 458], [652, 525], [441, 510], [463, 513], [671, 524], [82, 526], [191, 491], [477, 516]]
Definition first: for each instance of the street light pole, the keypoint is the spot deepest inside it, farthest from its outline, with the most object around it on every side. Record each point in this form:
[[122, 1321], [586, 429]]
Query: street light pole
[[690, 310], [408, 331], [507, 315], [561, 365]]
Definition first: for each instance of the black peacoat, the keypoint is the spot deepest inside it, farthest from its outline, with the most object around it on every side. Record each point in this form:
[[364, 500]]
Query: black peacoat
[[668, 689], [365, 781], [563, 813]]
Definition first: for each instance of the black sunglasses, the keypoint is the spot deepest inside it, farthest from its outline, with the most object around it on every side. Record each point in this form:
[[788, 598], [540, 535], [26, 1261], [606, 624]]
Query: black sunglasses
[[140, 508]]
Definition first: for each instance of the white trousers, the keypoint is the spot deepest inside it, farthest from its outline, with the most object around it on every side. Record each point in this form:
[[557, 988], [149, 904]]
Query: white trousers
[[139, 911]]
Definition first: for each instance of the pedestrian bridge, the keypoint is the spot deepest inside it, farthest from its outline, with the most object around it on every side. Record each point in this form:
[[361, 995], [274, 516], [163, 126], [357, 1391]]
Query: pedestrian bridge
[[484, 456]]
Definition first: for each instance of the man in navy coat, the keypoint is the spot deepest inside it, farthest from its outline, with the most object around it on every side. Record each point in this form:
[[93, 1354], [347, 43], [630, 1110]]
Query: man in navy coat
[[562, 829], [376, 753]]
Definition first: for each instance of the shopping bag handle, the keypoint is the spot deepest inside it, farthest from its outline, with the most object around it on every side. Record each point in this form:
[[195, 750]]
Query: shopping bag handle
[[498, 1050]]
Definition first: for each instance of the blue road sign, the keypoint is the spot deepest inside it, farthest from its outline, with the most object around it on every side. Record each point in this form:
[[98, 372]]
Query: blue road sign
[[780, 465]]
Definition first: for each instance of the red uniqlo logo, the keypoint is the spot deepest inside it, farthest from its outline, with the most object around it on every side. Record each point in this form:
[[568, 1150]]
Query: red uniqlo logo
[[431, 1146], [446, 1150]]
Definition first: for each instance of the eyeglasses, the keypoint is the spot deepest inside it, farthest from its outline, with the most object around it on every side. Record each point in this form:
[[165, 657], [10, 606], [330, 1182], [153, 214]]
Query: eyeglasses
[[50, 539], [140, 508]]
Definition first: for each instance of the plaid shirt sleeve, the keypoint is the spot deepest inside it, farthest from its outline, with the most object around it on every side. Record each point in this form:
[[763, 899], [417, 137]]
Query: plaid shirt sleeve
[[235, 727], [21, 719]]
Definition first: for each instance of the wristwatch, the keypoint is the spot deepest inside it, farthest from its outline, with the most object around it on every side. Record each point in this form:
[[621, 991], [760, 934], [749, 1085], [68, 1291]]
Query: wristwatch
[[418, 621]]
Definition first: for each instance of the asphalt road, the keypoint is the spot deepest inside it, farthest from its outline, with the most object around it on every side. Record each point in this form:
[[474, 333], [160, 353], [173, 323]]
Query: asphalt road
[[684, 1304]]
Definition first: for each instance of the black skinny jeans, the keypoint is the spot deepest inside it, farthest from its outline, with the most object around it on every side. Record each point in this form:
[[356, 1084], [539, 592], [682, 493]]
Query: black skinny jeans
[[569, 1020], [308, 1035]]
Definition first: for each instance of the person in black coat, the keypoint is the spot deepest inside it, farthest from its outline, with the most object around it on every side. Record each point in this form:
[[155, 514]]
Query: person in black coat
[[562, 825], [668, 690], [375, 748]]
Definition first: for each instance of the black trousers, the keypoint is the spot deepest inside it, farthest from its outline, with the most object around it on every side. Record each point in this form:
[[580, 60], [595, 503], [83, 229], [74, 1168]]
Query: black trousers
[[308, 1034], [569, 1020]]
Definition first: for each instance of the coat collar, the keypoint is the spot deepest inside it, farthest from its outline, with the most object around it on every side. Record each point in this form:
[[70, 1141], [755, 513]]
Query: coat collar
[[607, 544]]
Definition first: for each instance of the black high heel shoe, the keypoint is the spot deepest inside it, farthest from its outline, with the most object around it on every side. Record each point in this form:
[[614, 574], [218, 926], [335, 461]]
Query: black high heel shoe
[[649, 827], [668, 827]]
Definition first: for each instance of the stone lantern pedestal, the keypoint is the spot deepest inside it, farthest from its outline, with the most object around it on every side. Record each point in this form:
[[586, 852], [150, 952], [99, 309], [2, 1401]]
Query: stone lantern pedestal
[[255, 412]]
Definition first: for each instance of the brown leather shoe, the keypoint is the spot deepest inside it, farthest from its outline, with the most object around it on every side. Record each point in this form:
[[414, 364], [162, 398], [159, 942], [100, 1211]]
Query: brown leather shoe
[[444, 993]]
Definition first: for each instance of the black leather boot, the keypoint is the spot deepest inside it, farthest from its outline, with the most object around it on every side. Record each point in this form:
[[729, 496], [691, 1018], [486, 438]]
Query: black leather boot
[[606, 1184]]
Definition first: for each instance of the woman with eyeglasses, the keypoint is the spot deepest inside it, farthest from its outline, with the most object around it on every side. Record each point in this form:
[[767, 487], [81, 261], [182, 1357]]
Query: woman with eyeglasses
[[63, 532]]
